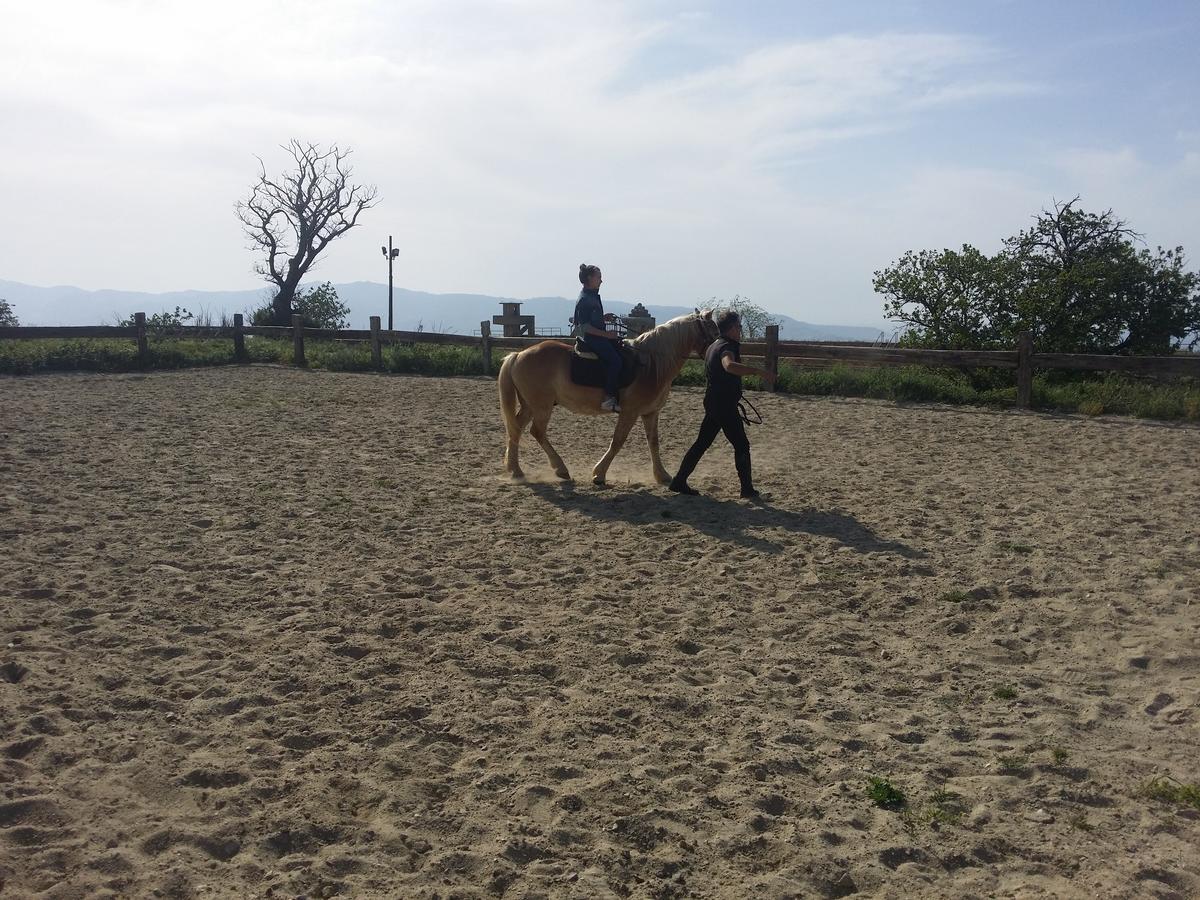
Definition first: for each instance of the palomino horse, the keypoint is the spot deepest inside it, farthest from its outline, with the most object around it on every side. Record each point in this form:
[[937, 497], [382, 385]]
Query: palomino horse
[[539, 377]]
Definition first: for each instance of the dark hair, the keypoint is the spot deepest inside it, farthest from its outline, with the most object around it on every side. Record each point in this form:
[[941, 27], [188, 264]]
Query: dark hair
[[727, 320], [586, 272]]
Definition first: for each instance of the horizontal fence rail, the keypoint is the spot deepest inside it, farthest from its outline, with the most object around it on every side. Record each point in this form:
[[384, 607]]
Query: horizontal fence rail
[[889, 356], [771, 350]]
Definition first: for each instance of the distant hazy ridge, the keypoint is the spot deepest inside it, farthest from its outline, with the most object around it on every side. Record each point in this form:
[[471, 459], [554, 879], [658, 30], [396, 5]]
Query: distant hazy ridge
[[456, 313]]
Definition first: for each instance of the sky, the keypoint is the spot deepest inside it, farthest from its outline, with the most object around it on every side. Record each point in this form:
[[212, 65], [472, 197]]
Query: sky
[[781, 151]]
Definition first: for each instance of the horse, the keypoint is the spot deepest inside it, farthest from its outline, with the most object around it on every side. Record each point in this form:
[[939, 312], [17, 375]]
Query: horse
[[539, 378]]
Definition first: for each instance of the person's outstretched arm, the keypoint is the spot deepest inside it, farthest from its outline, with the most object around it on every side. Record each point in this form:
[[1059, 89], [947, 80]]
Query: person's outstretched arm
[[737, 368]]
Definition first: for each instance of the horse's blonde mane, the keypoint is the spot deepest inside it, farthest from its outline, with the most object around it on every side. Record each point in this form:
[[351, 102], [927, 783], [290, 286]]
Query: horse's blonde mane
[[665, 346]]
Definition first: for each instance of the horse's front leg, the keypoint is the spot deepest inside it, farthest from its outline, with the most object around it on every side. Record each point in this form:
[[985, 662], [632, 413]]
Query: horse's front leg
[[540, 422], [624, 426], [650, 422]]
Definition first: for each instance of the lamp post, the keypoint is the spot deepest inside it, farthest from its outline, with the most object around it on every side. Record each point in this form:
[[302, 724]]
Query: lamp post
[[391, 253]]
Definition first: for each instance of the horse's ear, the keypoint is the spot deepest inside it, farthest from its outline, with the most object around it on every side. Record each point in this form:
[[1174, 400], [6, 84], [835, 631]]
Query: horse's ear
[[707, 314], [697, 309]]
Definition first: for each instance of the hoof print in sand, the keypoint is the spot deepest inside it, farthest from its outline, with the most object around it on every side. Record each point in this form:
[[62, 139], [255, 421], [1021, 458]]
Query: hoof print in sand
[[32, 811], [213, 780]]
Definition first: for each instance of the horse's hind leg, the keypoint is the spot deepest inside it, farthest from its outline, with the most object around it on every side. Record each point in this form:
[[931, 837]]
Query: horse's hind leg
[[511, 453], [540, 422]]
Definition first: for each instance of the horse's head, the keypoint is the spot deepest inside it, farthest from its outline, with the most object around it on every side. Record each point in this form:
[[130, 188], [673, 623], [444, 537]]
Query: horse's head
[[706, 330]]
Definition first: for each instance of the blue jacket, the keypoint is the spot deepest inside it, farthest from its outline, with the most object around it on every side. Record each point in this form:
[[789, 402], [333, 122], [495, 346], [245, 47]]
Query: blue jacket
[[589, 310]]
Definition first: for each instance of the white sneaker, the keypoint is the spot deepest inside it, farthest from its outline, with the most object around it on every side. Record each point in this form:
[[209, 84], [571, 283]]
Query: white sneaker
[[610, 404]]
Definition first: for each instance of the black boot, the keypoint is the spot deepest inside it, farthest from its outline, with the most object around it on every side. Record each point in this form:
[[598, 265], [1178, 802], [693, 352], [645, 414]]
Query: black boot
[[679, 483], [741, 459]]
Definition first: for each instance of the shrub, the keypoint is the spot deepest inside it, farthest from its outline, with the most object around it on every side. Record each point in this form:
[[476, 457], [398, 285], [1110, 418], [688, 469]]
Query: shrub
[[317, 307], [162, 323], [884, 794]]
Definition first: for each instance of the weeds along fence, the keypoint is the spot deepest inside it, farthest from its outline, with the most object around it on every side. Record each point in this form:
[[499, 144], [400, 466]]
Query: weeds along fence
[[1024, 359]]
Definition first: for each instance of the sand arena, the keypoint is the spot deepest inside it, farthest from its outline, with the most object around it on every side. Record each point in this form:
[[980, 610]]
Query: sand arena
[[270, 632]]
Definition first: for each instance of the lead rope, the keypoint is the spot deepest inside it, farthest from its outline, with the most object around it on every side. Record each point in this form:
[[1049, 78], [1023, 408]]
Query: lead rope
[[757, 420]]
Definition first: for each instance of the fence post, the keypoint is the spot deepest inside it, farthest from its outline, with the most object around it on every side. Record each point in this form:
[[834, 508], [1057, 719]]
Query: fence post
[[376, 350], [239, 338], [298, 342], [772, 353], [485, 336], [1025, 369], [139, 322]]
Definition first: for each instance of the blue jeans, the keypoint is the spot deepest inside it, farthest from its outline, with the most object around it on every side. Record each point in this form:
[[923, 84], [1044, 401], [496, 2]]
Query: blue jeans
[[610, 358]]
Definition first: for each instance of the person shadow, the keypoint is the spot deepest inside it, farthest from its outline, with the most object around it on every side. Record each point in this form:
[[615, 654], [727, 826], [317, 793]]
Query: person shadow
[[743, 522]]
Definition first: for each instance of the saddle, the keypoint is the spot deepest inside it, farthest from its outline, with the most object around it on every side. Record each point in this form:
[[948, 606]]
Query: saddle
[[587, 370]]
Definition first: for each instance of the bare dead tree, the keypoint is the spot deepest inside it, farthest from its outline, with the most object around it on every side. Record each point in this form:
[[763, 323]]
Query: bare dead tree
[[293, 217]]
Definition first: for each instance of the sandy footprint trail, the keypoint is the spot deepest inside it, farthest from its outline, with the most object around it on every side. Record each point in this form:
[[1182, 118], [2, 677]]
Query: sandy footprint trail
[[269, 632]]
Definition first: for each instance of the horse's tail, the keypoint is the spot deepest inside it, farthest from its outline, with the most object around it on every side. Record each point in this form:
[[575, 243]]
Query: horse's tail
[[509, 397]]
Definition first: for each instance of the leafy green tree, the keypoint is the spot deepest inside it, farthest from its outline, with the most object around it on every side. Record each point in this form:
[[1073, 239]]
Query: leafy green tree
[[1075, 280], [947, 299], [8, 318], [1080, 285], [317, 307]]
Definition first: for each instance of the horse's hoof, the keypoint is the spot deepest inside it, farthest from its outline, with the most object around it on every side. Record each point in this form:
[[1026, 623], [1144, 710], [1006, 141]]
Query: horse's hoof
[[597, 481], [563, 474], [517, 474]]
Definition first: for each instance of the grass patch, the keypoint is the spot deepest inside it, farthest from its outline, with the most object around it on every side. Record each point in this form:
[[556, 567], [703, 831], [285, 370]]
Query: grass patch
[[904, 384], [1005, 692], [955, 596], [38, 355], [1013, 547], [884, 794], [1168, 790], [1012, 764], [1059, 755], [1112, 393], [942, 808], [1090, 394]]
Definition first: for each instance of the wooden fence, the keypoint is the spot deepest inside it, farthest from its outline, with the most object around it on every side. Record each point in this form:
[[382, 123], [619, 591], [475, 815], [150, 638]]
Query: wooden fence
[[771, 350]]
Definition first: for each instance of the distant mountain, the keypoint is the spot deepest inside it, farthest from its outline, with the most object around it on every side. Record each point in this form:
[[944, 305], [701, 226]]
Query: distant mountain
[[454, 313]]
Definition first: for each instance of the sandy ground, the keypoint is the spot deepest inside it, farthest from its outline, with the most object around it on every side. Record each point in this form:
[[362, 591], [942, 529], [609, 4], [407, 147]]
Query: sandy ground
[[268, 632]]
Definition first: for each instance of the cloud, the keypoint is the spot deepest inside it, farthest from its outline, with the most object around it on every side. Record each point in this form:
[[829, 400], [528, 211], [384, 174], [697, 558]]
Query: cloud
[[509, 142]]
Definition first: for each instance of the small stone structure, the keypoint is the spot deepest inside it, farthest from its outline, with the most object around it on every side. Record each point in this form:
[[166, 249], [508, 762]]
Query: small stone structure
[[515, 324], [639, 320]]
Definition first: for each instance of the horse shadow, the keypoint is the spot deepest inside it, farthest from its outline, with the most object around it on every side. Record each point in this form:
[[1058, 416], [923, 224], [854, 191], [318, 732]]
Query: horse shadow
[[726, 520]]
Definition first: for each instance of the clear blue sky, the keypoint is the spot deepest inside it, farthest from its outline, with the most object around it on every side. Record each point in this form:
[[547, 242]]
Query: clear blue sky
[[782, 151]]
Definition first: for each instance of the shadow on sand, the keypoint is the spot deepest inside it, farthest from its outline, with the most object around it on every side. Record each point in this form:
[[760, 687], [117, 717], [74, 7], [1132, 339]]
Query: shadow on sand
[[727, 520]]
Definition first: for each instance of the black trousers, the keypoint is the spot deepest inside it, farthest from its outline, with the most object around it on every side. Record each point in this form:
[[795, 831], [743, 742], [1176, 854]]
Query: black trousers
[[719, 417]]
